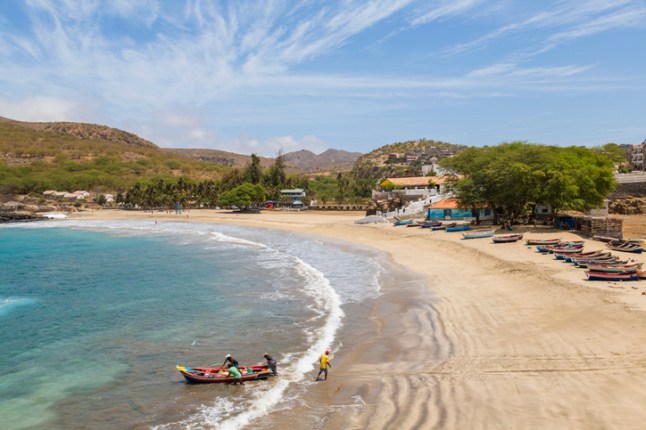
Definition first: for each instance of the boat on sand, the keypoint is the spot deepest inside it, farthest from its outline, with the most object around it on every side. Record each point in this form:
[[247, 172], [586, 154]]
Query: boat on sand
[[507, 238], [478, 234]]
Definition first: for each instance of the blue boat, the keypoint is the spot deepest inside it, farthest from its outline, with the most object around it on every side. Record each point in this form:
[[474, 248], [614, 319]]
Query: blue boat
[[398, 223], [462, 227]]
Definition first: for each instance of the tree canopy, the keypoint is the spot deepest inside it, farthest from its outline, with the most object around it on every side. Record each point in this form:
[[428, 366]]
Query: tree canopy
[[244, 195], [515, 177]]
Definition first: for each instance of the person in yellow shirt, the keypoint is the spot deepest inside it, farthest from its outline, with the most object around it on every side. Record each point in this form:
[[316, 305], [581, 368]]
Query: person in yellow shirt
[[324, 361]]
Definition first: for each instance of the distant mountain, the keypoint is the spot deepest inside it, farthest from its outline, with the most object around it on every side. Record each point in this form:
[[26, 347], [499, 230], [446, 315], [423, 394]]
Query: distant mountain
[[301, 161], [217, 156], [95, 146]]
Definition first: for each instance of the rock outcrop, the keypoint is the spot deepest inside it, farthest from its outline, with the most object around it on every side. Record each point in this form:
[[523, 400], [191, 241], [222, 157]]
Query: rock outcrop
[[18, 217]]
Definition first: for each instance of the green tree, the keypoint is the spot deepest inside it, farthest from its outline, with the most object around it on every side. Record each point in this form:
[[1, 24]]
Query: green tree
[[274, 180], [253, 173], [244, 196], [614, 153], [515, 177]]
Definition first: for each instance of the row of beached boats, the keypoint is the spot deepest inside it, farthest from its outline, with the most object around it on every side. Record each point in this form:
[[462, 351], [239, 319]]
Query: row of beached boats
[[451, 227], [601, 265]]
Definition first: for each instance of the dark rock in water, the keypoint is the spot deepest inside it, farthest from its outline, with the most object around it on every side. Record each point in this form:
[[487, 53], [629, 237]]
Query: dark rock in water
[[18, 217]]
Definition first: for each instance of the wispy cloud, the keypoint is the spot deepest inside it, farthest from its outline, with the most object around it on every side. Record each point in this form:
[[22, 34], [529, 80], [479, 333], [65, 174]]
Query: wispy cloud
[[264, 74], [568, 20], [443, 9]]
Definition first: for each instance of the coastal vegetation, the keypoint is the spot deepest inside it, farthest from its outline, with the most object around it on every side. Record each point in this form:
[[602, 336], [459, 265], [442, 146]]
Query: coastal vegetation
[[41, 156], [512, 177], [515, 177]]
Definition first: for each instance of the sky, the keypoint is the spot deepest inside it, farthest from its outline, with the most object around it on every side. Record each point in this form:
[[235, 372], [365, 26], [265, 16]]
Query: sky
[[268, 76]]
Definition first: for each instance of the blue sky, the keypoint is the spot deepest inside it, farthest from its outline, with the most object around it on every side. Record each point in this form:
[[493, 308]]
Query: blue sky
[[246, 76]]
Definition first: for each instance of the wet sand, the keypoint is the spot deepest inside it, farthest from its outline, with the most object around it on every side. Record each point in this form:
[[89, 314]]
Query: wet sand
[[483, 336]]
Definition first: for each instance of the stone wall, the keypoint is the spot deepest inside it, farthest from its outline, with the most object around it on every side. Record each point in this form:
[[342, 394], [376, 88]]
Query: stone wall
[[636, 189]]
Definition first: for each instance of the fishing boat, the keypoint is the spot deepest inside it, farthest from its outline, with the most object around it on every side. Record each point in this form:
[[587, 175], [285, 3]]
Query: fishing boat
[[624, 246], [429, 224], [560, 246], [215, 375], [398, 223], [605, 276], [462, 227], [478, 234], [563, 252], [615, 268], [543, 242], [587, 255], [604, 238], [507, 238], [444, 226], [583, 264]]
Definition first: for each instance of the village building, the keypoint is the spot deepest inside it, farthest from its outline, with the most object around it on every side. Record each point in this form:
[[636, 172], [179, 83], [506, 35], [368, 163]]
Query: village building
[[637, 156], [293, 197], [410, 188], [450, 209]]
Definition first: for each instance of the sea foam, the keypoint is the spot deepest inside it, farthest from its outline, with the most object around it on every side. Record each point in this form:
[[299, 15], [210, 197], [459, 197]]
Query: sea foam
[[12, 304]]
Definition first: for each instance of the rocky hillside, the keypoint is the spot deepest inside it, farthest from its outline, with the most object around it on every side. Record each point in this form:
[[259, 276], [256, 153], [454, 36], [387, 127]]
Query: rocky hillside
[[402, 159], [84, 131], [26, 142], [221, 157]]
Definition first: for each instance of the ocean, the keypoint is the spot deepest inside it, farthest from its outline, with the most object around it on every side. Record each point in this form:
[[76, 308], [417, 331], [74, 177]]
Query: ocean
[[95, 315]]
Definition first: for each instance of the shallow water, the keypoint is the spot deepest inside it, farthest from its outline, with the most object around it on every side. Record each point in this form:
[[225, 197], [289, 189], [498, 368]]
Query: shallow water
[[96, 314]]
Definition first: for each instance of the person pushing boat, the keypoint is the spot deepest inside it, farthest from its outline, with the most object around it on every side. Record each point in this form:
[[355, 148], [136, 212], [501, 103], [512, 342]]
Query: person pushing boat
[[232, 361], [233, 371], [271, 363]]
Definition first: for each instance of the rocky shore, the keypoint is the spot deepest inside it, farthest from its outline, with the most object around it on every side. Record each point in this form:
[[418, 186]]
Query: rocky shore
[[6, 216]]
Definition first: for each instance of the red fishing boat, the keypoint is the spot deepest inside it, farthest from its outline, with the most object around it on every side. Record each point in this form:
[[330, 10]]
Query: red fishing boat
[[214, 375]]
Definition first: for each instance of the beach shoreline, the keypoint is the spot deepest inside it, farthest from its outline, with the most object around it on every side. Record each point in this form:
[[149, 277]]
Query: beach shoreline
[[496, 335]]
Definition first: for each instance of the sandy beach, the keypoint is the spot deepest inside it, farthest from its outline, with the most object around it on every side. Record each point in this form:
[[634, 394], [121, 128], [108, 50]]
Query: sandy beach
[[498, 336]]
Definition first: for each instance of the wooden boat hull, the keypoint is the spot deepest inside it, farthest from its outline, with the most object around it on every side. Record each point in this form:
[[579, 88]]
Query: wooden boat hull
[[442, 227], [507, 238], [586, 261], [587, 255], [478, 235], [628, 247], [560, 245], [219, 375], [615, 268], [604, 276], [398, 223], [457, 228], [543, 242]]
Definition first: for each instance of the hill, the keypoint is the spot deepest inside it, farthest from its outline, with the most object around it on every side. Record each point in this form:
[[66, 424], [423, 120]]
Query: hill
[[67, 156], [36, 156], [402, 159], [225, 158], [297, 161]]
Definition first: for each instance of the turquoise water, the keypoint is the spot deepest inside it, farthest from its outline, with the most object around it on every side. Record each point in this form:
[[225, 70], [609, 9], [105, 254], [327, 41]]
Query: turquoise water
[[94, 316]]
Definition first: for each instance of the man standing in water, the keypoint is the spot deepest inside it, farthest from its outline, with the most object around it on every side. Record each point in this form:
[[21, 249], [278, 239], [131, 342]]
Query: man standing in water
[[271, 363], [324, 361]]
